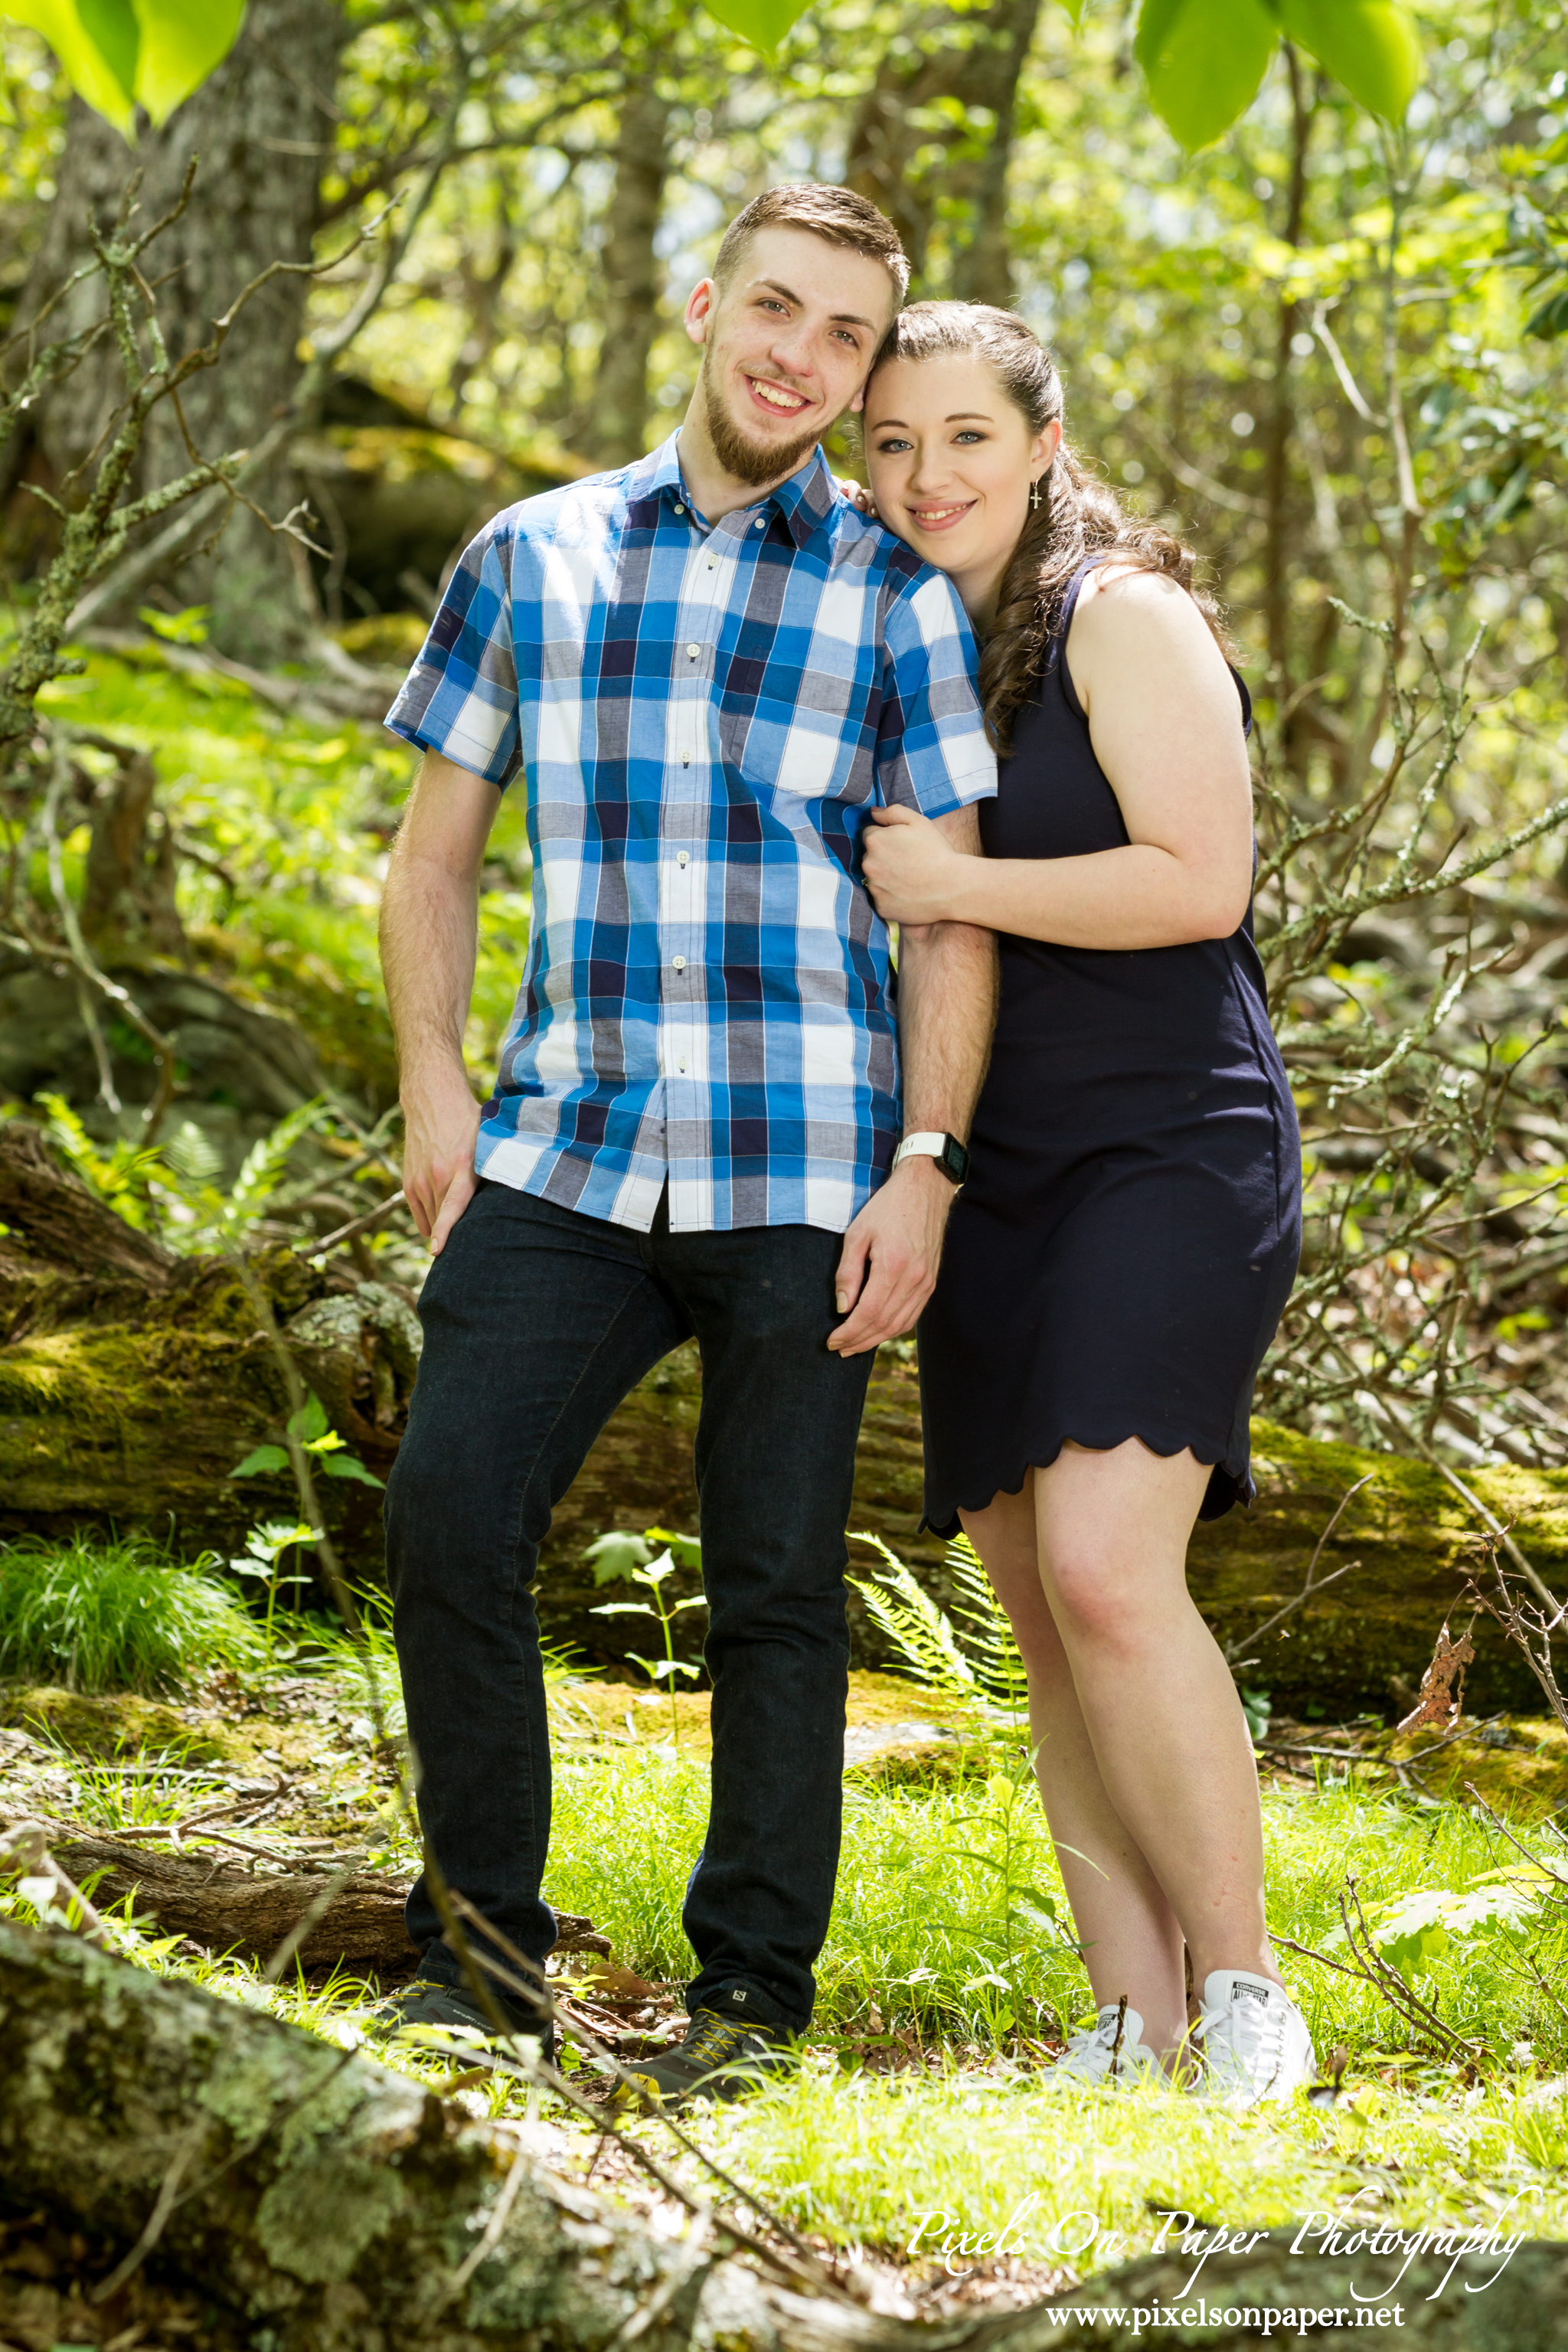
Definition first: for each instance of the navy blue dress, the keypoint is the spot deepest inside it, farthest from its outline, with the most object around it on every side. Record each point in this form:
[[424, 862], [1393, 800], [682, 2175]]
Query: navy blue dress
[[1124, 1247]]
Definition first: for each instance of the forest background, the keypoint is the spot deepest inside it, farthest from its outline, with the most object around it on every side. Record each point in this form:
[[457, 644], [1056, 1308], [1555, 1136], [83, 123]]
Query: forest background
[[1328, 345]]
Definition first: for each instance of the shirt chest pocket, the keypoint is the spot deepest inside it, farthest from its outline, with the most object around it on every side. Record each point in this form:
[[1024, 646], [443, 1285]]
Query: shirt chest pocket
[[804, 733]]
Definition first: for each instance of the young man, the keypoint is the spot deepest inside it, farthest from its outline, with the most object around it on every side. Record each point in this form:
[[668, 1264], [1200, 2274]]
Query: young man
[[709, 669]]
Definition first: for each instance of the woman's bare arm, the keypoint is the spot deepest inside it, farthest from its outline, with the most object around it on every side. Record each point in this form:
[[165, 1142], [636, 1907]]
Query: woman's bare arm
[[1163, 719]]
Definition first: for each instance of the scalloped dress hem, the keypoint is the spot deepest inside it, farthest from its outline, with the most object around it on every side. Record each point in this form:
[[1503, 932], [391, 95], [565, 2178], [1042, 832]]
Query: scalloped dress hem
[[1230, 1483]]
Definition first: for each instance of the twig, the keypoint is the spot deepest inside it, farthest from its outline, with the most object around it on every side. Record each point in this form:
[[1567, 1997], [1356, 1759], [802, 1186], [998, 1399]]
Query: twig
[[539, 1991], [349, 1233], [162, 2206], [1309, 1590]]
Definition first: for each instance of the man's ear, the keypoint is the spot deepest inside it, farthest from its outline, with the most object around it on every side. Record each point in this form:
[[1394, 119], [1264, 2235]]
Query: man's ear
[[700, 305]]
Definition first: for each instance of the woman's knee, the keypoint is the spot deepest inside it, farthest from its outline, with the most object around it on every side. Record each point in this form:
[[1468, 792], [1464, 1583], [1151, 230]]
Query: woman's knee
[[1094, 1599]]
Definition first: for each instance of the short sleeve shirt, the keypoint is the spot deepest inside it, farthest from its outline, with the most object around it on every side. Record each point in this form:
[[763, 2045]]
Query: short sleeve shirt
[[704, 716]]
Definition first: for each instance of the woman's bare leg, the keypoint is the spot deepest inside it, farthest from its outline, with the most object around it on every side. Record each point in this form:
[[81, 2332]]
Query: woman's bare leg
[[1143, 1748], [1132, 1943]]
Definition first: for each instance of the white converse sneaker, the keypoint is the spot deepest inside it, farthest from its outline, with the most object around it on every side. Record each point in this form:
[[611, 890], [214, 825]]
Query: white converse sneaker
[[1254, 2040], [1091, 2055]]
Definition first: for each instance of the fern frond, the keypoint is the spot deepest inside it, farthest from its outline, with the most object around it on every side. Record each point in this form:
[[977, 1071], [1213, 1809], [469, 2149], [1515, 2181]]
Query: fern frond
[[262, 1169], [999, 1668], [919, 1630]]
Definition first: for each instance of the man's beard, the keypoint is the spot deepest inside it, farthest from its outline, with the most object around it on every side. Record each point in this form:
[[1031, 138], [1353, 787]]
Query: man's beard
[[760, 463]]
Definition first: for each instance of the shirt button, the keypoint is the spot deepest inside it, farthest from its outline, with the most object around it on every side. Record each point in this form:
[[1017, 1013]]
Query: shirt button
[[679, 508], [694, 651], [711, 564], [680, 963], [681, 858], [760, 524], [681, 1067]]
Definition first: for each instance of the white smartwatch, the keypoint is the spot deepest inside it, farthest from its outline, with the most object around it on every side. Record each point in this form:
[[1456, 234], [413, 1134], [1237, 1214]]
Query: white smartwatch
[[950, 1155]]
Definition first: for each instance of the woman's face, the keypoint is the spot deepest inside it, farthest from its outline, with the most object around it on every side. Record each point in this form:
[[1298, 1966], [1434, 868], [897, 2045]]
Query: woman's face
[[951, 461]]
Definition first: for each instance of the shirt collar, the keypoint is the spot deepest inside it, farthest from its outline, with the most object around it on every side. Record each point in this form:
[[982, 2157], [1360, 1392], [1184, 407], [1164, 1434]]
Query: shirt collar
[[805, 501]]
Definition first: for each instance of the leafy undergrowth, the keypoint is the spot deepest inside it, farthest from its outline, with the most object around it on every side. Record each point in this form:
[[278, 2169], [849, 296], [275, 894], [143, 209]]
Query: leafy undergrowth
[[293, 820], [945, 1985]]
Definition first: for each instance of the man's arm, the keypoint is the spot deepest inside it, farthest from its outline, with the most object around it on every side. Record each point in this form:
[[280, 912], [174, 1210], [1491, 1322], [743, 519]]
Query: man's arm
[[947, 1007], [429, 938]]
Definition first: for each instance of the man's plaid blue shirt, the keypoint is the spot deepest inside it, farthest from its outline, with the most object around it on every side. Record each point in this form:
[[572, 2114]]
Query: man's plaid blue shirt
[[704, 716]]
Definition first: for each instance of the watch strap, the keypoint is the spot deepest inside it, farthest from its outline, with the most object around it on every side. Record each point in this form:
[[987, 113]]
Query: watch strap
[[951, 1156]]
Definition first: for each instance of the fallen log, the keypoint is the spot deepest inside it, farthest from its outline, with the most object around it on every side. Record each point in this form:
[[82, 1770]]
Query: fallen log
[[226, 1908], [131, 1382], [328, 2204]]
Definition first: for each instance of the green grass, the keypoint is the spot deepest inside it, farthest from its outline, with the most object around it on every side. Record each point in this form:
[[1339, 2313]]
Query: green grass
[[977, 2131], [141, 1788], [943, 1951], [115, 1615], [921, 1928]]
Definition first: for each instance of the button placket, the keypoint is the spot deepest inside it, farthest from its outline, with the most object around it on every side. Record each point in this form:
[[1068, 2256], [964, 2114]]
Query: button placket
[[685, 801]]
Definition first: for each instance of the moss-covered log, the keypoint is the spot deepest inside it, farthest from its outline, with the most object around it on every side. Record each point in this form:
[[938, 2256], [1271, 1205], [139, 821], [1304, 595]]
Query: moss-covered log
[[131, 1382], [326, 2204]]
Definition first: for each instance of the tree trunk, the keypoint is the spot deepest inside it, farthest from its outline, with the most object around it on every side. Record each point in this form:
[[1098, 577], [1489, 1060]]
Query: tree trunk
[[632, 278], [977, 60], [338, 2207], [262, 127], [131, 1382]]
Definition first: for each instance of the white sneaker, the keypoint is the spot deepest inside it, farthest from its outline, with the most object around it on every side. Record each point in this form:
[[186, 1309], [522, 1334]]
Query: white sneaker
[[1254, 2040], [1091, 2055]]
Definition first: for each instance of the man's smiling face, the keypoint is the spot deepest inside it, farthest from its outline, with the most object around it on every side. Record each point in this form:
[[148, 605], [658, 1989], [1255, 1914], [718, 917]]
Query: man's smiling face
[[786, 346]]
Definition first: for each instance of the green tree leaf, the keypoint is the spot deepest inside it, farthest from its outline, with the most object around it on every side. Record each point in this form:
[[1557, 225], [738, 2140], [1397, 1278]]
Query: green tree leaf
[[615, 1555], [121, 54], [112, 28], [311, 1422], [349, 1466], [266, 1457], [83, 63], [764, 23], [1371, 46], [182, 41], [1203, 61]]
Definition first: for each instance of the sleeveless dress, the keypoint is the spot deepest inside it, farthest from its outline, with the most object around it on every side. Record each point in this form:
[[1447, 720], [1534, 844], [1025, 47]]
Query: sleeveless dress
[[1117, 1263]]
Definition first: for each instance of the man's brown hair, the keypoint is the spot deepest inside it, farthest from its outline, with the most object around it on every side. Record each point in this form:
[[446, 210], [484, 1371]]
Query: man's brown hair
[[837, 215]]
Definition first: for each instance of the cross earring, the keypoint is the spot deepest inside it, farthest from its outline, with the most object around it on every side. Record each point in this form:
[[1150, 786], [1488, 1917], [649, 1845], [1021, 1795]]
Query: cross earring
[[1033, 497]]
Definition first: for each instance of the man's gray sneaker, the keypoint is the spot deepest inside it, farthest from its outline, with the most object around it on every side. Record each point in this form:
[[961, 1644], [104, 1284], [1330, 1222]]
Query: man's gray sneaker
[[723, 2052], [428, 2001]]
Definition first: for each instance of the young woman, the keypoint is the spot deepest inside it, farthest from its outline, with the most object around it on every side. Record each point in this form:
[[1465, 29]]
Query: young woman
[[1126, 1241]]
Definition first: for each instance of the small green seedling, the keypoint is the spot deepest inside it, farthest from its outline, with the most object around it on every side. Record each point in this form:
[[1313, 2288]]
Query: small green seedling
[[651, 1574], [314, 1434]]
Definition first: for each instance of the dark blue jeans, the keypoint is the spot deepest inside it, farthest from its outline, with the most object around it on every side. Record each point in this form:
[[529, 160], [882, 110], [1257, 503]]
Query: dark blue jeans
[[537, 1323]]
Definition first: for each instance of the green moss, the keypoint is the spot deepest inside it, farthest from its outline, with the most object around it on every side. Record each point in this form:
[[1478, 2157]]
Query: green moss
[[108, 1727]]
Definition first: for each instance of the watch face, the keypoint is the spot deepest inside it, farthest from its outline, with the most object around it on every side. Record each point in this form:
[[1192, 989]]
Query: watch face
[[955, 1160]]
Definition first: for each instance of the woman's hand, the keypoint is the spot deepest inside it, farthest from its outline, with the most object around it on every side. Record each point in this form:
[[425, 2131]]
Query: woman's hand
[[911, 870], [858, 496]]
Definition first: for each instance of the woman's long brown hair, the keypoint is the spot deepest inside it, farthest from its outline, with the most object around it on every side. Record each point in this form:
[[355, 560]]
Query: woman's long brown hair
[[1078, 515]]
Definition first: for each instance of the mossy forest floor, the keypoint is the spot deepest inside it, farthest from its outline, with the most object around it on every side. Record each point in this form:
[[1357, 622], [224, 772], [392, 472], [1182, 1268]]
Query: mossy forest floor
[[923, 2111]]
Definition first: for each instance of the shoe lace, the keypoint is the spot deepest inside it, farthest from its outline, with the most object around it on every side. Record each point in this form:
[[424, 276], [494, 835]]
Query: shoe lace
[[713, 2038], [1266, 2034]]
